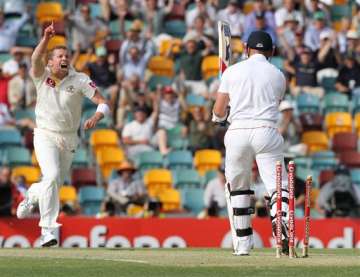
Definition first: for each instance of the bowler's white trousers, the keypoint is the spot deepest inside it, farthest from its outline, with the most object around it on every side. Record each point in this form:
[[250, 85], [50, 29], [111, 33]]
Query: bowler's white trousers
[[54, 152]]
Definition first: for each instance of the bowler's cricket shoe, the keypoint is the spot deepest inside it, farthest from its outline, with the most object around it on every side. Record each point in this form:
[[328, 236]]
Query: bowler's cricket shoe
[[25, 208], [48, 239]]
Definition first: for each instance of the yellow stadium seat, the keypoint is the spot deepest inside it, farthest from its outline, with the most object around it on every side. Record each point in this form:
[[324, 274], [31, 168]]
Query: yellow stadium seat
[[161, 66], [337, 25], [237, 45], [157, 180], [67, 194], [135, 210], [32, 174], [170, 200], [210, 67], [316, 141], [313, 196], [207, 159], [166, 44], [109, 158], [56, 41], [103, 138], [337, 122], [49, 11], [82, 60], [248, 7]]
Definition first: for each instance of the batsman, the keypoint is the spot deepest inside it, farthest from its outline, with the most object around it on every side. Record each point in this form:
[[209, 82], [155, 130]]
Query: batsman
[[60, 92], [253, 89]]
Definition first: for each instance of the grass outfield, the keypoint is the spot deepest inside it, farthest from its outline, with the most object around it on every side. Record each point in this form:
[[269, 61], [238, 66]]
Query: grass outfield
[[173, 262]]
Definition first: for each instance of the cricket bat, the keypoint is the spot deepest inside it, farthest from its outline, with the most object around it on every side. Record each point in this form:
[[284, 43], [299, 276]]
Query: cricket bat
[[224, 34]]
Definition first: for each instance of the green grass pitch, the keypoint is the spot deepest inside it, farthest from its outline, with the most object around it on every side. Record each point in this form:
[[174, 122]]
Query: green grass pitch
[[173, 262]]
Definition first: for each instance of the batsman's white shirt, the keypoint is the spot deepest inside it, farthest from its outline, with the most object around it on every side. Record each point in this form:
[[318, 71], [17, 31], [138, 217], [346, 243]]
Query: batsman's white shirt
[[58, 106], [255, 88]]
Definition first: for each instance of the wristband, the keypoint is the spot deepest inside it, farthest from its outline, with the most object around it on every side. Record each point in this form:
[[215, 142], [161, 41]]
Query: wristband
[[218, 119], [104, 109]]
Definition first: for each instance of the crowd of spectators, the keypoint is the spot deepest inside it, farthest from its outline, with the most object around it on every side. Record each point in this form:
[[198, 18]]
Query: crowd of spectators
[[311, 44]]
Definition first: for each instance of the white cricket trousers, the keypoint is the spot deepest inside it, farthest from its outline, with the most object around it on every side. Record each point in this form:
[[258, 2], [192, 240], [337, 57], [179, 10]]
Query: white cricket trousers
[[54, 153], [265, 144]]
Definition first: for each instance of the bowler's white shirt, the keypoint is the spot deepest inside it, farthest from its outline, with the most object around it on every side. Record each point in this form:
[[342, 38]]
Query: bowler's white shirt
[[58, 107], [255, 89]]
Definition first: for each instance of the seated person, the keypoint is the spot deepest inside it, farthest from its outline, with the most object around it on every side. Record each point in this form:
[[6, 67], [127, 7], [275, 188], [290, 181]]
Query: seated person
[[125, 189], [349, 76], [214, 197], [339, 197]]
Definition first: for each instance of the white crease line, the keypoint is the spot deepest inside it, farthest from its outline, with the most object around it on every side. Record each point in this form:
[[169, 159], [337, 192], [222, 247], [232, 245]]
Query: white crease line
[[124, 260]]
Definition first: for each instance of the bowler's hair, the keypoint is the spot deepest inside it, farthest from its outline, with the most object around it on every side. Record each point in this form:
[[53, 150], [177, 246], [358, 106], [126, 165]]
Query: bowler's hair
[[51, 51]]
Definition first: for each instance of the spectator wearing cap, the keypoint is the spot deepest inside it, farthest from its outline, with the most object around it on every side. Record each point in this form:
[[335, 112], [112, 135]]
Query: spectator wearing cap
[[304, 68], [21, 91], [125, 190], [204, 9], [9, 30], [339, 197], [259, 6], [85, 30], [290, 128], [19, 55], [287, 33], [352, 44], [282, 13], [312, 34], [103, 70], [233, 15], [313, 6], [260, 25], [348, 79]]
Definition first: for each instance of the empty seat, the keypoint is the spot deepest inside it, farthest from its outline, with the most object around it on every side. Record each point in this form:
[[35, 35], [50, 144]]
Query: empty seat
[[148, 160], [339, 11], [186, 178], [237, 46], [90, 199], [157, 180], [161, 66], [9, 137], [170, 200], [193, 199], [350, 159], [175, 28], [67, 194], [209, 175], [336, 102], [172, 45], [210, 67], [16, 156], [311, 121], [343, 142], [32, 174], [24, 113], [49, 11], [55, 41], [81, 158], [308, 103], [328, 83], [355, 176], [109, 158], [103, 138], [195, 100], [304, 162], [207, 159], [338, 122], [179, 159], [156, 80], [323, 154], [83, 177], [278, 62], [324, 163], [315, 141]]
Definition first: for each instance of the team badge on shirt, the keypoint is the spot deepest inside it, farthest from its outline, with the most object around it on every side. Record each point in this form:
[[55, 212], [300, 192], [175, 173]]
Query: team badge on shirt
[[50, 82], [70, 89], [92, 84]]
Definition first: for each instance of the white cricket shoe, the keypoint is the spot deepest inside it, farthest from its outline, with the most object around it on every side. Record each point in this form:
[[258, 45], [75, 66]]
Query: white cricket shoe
[[25, 208], [244, 247], [47, 238]]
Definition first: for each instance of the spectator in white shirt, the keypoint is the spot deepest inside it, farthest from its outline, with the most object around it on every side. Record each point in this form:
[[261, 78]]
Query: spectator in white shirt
[[233, 15], [214, 196], [9, 31], [201, 8], [11, 67], [282, 13]]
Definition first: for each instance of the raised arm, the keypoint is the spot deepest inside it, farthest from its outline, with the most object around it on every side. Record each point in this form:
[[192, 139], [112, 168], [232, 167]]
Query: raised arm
[[37, 58]]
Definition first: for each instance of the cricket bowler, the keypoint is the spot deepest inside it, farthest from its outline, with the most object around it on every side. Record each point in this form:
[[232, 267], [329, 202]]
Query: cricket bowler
[[253, 89], [60, 91]]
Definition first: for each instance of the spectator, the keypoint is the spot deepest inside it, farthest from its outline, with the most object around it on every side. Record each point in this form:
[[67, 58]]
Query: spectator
[[259, 7], [9, 30], [86, 30], [4, 81], [328, 56], [204, 9], [5, 117], [312, 34], [349, 75], [103, 70], [233, 15], [260, 193], [313, 6], [204, 38], [11, 67], [352, 44], [343, 34], [126, 190], [260, 25], [288, 9], [304, 69], [339, 197], [116, 9], [136, 63], [290, 128], [287, 34], [199, 129], [214, 197], [21, 92], [6, 192]]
